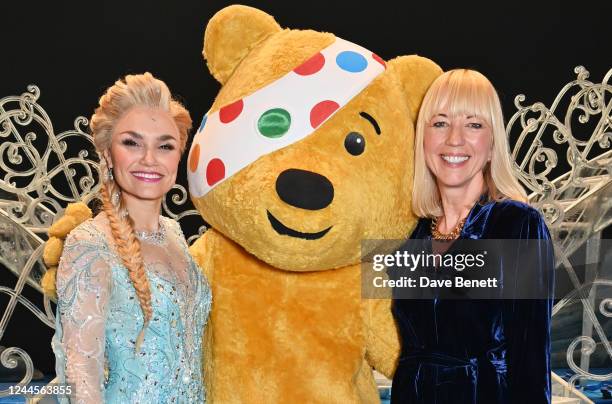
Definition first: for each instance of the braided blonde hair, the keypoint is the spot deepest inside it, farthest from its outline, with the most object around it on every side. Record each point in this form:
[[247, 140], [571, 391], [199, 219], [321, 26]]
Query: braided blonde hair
[[141, 90]]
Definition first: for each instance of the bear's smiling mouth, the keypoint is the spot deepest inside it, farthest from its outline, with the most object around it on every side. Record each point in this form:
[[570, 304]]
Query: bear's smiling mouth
[[286, 231]]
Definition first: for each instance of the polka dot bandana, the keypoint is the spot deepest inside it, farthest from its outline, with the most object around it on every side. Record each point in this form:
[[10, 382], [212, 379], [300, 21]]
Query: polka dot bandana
[[279, 114]]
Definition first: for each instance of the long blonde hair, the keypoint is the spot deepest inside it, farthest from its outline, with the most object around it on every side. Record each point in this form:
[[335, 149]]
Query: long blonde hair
[[464, 92], [131, 91]]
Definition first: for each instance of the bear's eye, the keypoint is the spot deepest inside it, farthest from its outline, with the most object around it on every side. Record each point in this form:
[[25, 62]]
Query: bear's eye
[[354, 143]]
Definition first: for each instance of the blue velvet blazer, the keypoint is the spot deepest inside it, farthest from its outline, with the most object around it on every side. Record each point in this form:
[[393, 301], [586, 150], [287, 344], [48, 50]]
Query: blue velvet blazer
[[480, 351]]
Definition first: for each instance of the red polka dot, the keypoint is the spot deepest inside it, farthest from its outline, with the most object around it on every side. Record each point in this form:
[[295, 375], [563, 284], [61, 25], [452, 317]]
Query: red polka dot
[[322, 111], [379, 60], [230, 112], [311, 66], [194, 158], [215, 171]]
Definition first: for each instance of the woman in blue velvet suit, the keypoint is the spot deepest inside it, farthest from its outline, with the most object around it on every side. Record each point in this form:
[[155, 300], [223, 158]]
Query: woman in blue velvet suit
[[473, 350]]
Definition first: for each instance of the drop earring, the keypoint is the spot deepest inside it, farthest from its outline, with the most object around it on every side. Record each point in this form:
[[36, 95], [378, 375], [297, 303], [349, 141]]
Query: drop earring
[[115, 198], [109, 175]]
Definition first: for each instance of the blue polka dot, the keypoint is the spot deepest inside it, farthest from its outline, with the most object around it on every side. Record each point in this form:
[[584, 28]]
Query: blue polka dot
[[351, 61], [203, 123]]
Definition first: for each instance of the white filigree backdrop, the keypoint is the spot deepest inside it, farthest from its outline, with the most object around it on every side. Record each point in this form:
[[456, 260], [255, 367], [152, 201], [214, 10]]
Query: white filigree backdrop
[[563, 157]]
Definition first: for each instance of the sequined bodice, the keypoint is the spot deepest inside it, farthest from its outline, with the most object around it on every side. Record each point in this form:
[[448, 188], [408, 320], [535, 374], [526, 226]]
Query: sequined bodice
[[99, 318]]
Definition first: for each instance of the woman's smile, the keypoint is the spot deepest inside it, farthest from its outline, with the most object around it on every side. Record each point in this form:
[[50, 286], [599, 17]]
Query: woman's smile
[[454, 160], [457, 148], [147, 176]]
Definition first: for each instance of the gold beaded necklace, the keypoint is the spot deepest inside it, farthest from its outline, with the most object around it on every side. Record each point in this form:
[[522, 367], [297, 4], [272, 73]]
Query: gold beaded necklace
[[453, 234]]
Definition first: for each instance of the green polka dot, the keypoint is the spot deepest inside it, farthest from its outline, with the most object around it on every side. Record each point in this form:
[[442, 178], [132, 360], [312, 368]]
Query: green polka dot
[[274, 123]]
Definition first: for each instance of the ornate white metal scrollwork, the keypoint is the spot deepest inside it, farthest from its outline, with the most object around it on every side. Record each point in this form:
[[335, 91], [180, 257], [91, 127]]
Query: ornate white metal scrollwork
[[172, 205], [8, 359], [577, 203], [568, 200], [605, 307], [34, 161]]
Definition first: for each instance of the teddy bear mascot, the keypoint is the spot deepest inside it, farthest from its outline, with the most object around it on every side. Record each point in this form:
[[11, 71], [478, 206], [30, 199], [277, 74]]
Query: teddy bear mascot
[[306, 151]]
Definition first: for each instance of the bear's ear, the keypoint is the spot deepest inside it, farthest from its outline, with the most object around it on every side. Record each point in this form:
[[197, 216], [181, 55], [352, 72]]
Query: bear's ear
[[416, 75], [231, 34]]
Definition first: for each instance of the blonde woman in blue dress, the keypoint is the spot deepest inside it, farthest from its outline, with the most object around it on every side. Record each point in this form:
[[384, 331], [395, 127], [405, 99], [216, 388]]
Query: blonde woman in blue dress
[[132, 304]]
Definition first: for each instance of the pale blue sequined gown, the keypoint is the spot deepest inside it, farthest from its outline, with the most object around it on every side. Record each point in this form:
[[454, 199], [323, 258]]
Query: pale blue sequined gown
[[99, 318]]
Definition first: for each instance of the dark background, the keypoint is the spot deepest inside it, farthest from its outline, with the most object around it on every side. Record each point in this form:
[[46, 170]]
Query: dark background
[[75, 50]]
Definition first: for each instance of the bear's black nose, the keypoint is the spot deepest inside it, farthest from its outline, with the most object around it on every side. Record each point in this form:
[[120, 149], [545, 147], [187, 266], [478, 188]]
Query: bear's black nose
[[304, 189]]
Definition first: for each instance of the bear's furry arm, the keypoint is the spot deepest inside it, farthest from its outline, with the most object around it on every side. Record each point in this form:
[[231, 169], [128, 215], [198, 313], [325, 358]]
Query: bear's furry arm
[[382, 338], [201, 250]]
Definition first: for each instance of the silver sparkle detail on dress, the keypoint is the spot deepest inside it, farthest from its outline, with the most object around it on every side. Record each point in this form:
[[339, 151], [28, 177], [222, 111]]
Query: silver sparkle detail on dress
[[154, 237], [99, 318]]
